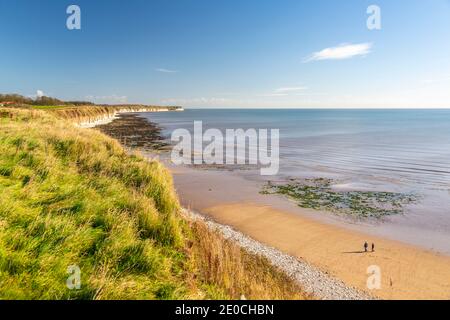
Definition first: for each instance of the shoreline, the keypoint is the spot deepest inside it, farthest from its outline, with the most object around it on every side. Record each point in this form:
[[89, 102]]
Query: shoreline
[[332, 249], [315, 282]]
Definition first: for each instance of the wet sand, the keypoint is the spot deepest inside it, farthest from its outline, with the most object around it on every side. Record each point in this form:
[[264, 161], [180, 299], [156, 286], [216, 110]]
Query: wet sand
[[329, 243], [407, 272]]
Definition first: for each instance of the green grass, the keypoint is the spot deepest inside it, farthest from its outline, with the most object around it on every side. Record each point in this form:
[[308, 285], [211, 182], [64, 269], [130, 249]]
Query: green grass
[[75, 198], [72, 196]]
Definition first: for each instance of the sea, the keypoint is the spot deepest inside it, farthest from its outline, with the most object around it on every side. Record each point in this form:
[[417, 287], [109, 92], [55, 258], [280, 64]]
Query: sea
[[392, 150]]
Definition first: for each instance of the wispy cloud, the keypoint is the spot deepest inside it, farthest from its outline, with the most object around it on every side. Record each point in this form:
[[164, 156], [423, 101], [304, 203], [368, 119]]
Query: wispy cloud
[[201, 101], [107, 99], [166, 70], [37, 95], [290, 89], [285, 91], [436, 80], [341, 52], [275, 94]]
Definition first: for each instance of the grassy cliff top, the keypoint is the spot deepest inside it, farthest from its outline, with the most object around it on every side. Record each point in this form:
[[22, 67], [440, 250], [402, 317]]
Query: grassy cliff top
[[74, 197]]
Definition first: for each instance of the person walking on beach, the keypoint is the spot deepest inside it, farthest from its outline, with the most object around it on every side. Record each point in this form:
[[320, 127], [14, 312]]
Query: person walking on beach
[[366, 245], [373, 247]]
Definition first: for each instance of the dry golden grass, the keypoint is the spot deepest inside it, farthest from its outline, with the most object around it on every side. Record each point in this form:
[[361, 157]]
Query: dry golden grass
[[236, 272]]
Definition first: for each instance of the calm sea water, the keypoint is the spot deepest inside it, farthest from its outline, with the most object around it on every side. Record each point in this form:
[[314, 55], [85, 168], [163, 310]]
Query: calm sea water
[[406, 150], [385, 150]]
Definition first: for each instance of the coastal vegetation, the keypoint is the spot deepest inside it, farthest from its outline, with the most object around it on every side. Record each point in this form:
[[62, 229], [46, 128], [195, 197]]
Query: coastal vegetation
[[74, 197], [319, 194], [17, 99], [71, 109]]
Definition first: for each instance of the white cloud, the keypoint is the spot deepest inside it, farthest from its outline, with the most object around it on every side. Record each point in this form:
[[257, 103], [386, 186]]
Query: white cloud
[[40, 93], [202, 101], [285, 91], [166, 70], [343, 51], [436, 80], [290, 89], [107, 99], [276, 94], [411, 98]]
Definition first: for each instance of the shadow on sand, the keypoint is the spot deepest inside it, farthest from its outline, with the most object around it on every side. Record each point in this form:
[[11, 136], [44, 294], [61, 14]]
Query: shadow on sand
[[355, 252]]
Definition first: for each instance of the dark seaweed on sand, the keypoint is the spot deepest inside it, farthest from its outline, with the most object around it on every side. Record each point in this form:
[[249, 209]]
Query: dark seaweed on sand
[[318, 194], [133, 131]]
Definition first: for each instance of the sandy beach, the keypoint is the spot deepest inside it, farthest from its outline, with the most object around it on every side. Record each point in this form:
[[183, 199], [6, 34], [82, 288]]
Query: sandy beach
[[328, 247], [407, 272]]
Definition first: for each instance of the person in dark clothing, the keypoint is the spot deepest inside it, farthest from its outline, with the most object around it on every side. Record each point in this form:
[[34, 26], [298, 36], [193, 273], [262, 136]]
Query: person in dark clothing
[[366, 245], [373, 247]]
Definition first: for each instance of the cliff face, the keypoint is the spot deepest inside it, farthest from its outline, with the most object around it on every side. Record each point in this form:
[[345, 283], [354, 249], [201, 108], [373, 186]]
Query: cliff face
[[90, 116]]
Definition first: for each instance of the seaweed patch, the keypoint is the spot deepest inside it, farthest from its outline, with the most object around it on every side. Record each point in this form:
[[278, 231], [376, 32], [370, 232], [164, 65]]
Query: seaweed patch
[[319, 194]]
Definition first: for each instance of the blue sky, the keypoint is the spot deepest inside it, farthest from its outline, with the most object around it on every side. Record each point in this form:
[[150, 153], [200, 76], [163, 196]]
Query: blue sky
[[229, 53]]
